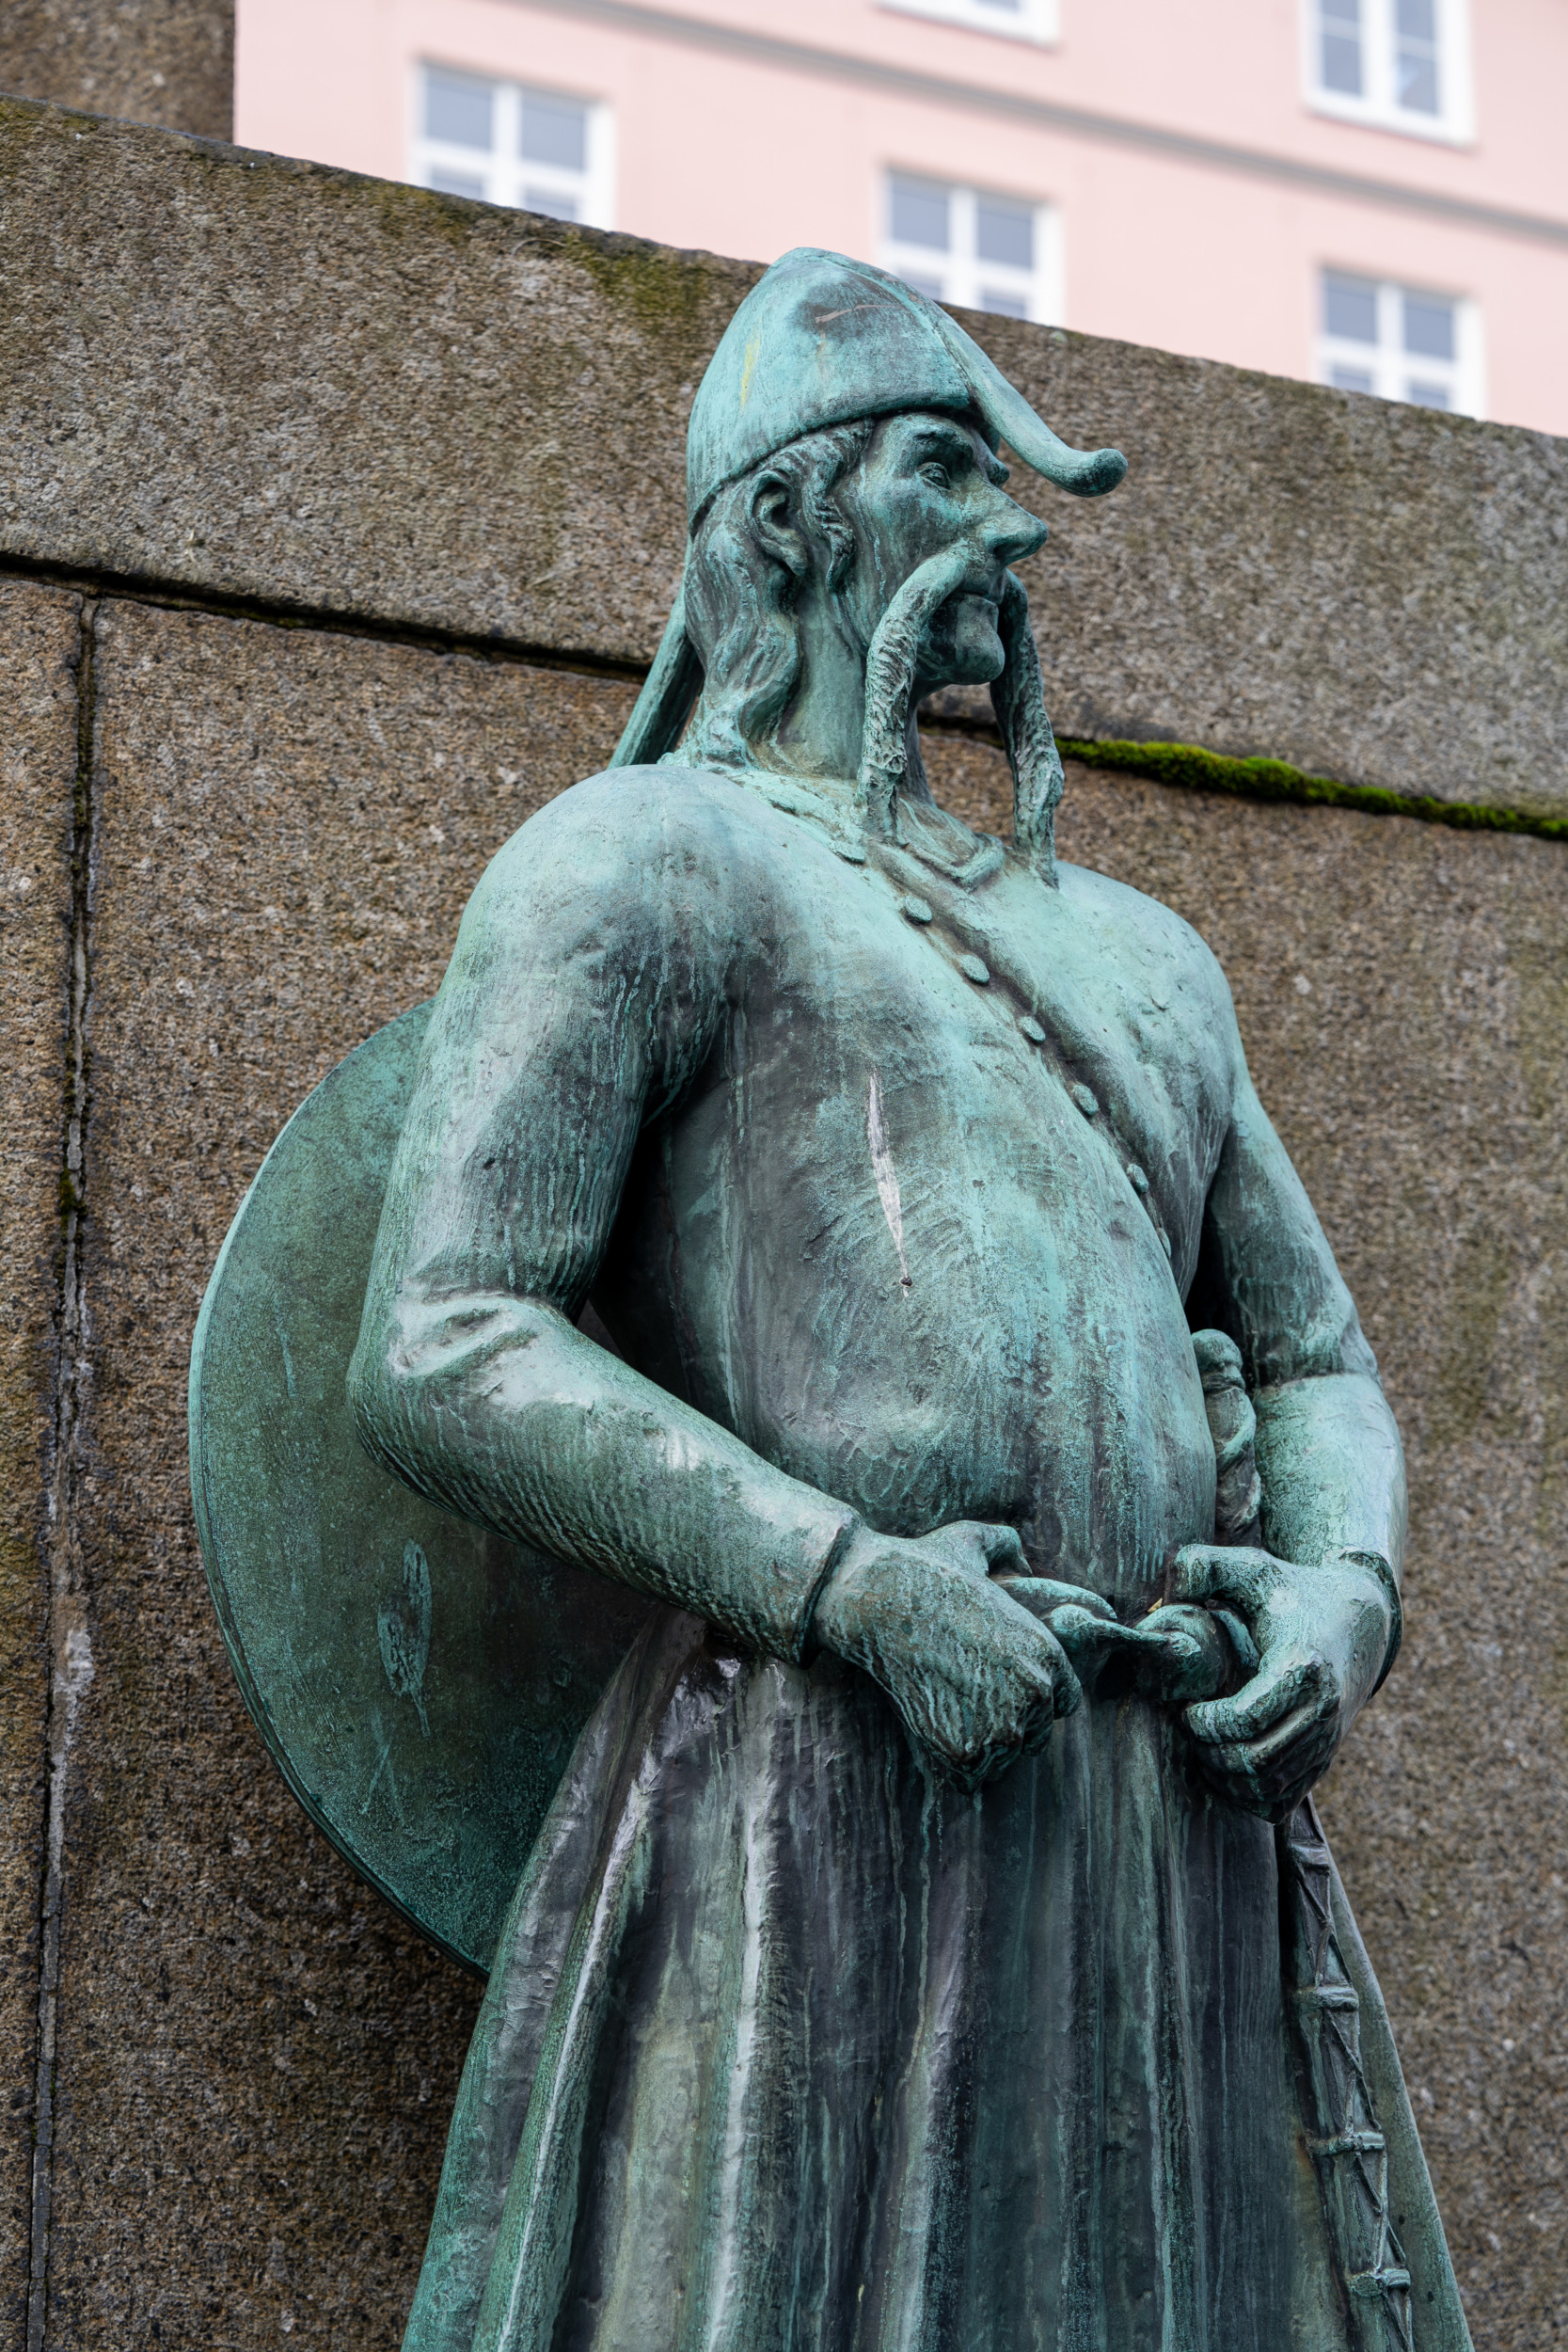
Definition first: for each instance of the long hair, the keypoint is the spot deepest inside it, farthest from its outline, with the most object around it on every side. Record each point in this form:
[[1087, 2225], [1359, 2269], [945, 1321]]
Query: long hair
[[740, 599]]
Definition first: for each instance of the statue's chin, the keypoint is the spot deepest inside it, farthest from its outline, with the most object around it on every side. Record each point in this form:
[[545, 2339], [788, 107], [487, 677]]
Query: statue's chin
[[962, 647]]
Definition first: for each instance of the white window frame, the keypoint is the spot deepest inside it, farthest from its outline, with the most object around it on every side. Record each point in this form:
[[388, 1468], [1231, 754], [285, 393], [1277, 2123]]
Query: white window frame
[[1390, 366], [1038, 21], [963, 278], [505, 178], [1378, 108]]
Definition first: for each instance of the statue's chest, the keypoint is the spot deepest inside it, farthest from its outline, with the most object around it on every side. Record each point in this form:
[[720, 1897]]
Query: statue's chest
[[992, 1027]]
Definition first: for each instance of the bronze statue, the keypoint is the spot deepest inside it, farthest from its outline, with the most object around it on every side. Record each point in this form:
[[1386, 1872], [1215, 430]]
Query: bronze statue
[[930, 1943]]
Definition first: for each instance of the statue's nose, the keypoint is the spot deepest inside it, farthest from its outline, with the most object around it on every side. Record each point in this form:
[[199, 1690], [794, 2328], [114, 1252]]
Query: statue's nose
[[1014, 534]]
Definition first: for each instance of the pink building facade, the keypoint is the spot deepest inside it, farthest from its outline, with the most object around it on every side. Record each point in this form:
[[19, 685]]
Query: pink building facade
[[1372, 193]]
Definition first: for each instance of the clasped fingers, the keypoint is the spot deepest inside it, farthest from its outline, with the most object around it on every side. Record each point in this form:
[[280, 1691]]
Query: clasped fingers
[[1263, 1749]]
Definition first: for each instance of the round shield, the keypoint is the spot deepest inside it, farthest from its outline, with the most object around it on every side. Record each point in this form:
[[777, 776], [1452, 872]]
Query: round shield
[[421, 1682]]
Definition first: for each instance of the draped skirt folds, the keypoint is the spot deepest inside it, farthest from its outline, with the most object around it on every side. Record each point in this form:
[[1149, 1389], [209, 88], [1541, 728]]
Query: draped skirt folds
[[788, 2047]]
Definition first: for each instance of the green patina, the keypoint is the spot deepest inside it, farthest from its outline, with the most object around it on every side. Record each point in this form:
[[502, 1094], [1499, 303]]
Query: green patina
[[790, 1467]]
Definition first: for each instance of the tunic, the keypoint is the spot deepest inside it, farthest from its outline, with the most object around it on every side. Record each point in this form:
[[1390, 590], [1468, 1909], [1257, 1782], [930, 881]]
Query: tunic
[[900, 1179]]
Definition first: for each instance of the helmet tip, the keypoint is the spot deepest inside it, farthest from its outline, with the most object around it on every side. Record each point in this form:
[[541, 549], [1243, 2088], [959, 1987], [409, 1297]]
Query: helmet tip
[[1101, 470]]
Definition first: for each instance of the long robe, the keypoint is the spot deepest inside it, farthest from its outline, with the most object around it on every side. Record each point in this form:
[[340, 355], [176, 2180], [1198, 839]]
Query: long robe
[[897, 1178]]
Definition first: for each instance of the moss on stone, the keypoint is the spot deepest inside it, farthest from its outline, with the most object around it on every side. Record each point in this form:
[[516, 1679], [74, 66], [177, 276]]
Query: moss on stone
[[1185, 764], [669, 294]]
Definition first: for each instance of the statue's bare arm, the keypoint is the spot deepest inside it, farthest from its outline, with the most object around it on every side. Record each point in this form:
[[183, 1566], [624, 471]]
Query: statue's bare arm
[[589, 985]]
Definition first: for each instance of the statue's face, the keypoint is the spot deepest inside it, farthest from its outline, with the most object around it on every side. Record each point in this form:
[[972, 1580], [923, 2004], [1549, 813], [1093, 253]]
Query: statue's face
[[927, 481]]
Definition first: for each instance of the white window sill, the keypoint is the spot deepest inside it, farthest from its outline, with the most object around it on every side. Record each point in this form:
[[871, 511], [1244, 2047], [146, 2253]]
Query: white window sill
[[1434, 129], [1037, 24]]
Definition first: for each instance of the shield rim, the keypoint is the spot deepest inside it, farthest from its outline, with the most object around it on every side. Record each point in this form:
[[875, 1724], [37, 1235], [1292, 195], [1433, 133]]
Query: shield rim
[[250, 1690]]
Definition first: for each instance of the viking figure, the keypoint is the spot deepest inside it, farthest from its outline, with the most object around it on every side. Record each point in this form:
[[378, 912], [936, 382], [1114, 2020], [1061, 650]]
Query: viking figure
[[930, 1945]]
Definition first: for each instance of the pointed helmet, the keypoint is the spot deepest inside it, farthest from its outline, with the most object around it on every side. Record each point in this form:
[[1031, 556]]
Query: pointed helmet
[[820, 340]]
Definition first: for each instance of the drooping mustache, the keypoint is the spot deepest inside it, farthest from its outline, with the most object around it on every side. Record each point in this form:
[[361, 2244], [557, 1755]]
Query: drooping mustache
[[1017, 698], [891, 663]]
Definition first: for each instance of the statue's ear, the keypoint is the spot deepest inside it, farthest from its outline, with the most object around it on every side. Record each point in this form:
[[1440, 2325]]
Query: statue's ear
[[773, 516]]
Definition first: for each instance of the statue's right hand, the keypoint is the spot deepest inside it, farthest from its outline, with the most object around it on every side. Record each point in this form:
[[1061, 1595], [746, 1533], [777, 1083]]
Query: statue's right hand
[[977, 1679]]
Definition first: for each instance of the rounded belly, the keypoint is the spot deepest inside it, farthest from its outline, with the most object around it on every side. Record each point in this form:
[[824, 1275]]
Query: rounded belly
[[1002, 1362]]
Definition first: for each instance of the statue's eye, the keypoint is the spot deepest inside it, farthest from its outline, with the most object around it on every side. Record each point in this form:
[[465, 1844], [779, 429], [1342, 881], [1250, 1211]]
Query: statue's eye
[[936, 474]]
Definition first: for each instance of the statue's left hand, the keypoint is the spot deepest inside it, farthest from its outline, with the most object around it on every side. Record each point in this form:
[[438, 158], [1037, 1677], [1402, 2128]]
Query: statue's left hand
[[1321, 1633]]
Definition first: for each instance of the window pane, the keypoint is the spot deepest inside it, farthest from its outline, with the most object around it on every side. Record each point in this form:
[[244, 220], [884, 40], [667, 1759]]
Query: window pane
[[1417, 82], [1341, 66], [553, 131], [550, 200], [1340, 46], [1428, 395], [1415, 55], [1429, 327], [930, 286], [1003, 305], [919, 214], [1005, 233], [457, 182], [456, 109], [1350, 309], [1350, 379]]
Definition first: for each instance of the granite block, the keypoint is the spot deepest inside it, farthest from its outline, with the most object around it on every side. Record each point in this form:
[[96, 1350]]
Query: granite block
[[268, 381], [165, 61], [40, 633], [257, 2059]]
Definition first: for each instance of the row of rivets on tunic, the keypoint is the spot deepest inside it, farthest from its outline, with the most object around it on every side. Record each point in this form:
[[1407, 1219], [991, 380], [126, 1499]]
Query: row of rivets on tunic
[[974, 969]]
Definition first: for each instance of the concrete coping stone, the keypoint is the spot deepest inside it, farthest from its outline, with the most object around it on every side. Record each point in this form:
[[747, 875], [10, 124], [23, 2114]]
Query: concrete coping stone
[[267, 384]]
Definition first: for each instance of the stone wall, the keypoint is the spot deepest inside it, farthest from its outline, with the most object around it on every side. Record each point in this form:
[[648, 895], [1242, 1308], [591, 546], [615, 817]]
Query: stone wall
[[337, 521], [168, 61]]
